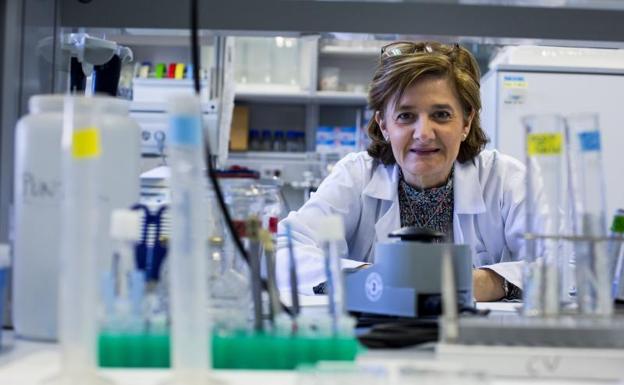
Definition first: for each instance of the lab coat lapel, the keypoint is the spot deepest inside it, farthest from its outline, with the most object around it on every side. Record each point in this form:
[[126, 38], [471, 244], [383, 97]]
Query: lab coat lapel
[[383, 187], [467, 198]]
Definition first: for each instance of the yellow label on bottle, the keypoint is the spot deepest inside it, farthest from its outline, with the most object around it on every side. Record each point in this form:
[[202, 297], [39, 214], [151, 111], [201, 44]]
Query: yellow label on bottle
[[86, 143], [545, 144]]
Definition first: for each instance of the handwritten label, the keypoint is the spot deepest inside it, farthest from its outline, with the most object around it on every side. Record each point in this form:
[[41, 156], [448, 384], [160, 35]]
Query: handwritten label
[[86, 143], [35, 188], [538, 366], [544, 144]]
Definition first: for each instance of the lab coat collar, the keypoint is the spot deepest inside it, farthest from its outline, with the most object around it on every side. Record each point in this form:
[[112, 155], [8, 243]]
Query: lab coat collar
[[384, 182], [467, 190]]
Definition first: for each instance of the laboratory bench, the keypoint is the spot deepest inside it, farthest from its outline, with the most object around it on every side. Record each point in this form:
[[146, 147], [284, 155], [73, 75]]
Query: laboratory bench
[[24, 362]]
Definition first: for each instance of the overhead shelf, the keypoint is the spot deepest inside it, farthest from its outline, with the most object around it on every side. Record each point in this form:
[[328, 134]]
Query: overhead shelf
[[422, 18], [340, 50], [270, 95]]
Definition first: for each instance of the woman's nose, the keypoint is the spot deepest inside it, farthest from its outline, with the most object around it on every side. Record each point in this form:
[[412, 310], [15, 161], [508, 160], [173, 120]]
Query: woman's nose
[[423, 129]]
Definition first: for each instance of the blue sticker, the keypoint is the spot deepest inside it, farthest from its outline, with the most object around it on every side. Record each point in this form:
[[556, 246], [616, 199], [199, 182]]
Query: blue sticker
[[513, 78], [185, 130], [590, 141]]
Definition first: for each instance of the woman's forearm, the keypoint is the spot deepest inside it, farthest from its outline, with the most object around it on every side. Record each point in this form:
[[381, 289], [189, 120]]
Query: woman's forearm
[[487, 285]]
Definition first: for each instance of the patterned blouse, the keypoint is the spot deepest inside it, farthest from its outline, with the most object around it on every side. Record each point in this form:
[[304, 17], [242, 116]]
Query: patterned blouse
[[431, 208]]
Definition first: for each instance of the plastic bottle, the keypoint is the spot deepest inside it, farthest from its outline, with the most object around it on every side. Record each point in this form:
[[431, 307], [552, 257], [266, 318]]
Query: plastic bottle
[[38, 191], [279, 142], [267, 141], [301, 144], [291, 141], [254, 140], [190, 343]]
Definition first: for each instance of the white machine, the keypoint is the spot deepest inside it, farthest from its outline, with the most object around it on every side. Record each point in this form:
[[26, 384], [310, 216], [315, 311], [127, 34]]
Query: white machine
[[545, 80]]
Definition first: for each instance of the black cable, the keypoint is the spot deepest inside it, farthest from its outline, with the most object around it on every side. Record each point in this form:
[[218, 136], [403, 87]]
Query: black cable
[[212, 174]]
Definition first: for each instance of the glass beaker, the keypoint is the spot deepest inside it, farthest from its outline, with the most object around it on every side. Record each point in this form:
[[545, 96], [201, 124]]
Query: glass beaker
[[547, 254], [230, 290]]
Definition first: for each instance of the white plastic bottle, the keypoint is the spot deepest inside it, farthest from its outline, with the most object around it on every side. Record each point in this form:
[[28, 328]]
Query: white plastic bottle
[[37, 198], [190, 343]]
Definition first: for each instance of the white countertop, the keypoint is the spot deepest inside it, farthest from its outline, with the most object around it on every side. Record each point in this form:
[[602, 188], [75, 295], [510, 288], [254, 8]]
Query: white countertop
[[29, 363]]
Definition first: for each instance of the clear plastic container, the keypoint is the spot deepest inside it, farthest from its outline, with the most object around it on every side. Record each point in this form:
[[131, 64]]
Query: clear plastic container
[[81, 237], [593, 277], [38, 192], [547, 257], [190, 342]]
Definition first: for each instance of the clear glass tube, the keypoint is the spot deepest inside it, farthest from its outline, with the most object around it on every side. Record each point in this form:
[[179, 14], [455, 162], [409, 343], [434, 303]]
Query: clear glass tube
[[548, 214], [190, 350], [593, 278]]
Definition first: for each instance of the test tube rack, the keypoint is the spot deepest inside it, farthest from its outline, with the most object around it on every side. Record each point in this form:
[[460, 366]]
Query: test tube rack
[[241, 350]]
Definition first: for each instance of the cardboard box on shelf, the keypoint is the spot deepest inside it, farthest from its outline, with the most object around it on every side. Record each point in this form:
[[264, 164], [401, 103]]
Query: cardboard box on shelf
[[239, 132]]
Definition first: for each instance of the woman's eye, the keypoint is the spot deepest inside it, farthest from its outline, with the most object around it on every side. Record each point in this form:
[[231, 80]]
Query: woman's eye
[[405, 117], [442, 115]]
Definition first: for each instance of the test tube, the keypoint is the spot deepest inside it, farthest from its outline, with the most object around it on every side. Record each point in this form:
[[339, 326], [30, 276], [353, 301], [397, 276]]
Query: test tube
[[190, 343], [593, 280], [548, 215], [331, 233]]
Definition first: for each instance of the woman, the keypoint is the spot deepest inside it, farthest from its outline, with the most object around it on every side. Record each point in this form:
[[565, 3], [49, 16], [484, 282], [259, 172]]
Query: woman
[[426, 166]]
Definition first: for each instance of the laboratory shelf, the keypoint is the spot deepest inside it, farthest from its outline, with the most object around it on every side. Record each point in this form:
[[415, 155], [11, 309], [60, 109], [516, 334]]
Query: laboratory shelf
[[340, 50], [270, 95], [341, 97]]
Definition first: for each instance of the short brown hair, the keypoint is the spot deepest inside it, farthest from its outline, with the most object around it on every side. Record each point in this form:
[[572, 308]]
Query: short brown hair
[[395, 74]]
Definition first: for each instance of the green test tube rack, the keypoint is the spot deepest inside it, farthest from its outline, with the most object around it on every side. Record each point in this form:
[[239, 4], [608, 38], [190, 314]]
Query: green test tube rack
[[229, 351]]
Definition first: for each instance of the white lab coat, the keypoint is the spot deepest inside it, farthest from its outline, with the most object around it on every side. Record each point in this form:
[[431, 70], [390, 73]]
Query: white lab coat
[[488, 215]]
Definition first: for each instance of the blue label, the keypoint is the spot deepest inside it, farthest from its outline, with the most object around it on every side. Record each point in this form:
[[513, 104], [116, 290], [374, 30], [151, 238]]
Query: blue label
[[590, 141], [185, 130], [513, 78]]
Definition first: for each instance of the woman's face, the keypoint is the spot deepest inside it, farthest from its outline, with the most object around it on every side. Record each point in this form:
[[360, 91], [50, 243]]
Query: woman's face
[[425, 130]]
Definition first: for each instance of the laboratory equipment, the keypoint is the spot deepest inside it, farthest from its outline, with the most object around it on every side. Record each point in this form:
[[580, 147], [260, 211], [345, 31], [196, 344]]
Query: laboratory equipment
[[292, 273], [94, 58], [81, 237], [405, 279], [38, 192], [190, 327], [617, 230], [331, 232], [126, 312], [592, 261], [151, 248], [530, 80], [549, 216]]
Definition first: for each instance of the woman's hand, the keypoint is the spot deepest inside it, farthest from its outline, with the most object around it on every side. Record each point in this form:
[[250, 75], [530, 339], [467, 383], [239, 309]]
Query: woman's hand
[[487, 286]]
